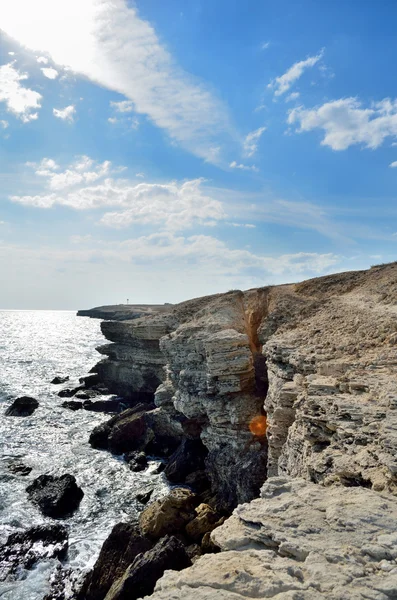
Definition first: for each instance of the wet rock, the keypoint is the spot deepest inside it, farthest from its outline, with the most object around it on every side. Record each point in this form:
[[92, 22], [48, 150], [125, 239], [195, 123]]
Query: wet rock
[[168, 515], [141, 576], [122, 432], [55, 496], [106, 406], [86, 394], [137, 461], [119, 550], [206, 520], [19, 468], [90, 380], [22, 407], [159, 468], [24, 549], [69, 392], [58, 380], [72, 404], [144, 497], [189, 457]]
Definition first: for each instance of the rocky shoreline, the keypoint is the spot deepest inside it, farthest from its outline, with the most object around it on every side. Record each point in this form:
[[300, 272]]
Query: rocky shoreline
[[273, 414]]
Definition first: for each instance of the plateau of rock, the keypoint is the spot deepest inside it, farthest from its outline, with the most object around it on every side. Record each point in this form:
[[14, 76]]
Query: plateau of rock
[[278, 404]]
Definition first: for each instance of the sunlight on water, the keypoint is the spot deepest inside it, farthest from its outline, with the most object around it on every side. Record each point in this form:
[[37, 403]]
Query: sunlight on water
[[35, 346]]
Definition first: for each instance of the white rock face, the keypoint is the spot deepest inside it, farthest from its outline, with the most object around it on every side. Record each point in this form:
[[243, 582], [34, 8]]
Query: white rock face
[[299, 541]]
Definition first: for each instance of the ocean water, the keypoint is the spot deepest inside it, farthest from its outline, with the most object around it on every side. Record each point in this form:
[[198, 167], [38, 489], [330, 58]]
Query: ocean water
[[35, 346]]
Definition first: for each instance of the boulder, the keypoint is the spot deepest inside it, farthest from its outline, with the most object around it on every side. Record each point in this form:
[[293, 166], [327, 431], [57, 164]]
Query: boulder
[[24, 549], [55, 496], [118, 551], [168, 515], [205, 521], [137, 461], [144, 497], [58, 380], [72, 404], [69, 392], [123, 432], [86, 394], [141, 576], [90, 380], [22, 407], [188, 457]]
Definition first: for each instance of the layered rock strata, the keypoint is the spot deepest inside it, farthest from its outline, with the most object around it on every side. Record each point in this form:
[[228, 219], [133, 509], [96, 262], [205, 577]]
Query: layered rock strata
[[202, 364], [317, 360]]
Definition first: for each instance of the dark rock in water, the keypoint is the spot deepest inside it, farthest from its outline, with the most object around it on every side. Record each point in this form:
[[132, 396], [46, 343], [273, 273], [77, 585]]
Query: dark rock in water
[[106, 406], [137, 461], [86, 394], [18, 468], [168, 515], [144, 497], [101, 388], [122, 432], [72, 404], [119, 550], [90, 380], [141, 576], [189, 457], [159, 468], [58, 380], [62, 584], [22, 407], [69, 392], [55, 496], [24, 549]]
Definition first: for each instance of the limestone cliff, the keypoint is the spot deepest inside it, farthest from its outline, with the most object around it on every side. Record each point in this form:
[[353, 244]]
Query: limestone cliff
[[319, 360]]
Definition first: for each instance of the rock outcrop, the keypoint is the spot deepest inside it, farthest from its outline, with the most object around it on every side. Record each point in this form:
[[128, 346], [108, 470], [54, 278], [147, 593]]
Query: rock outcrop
[[298, 541], [24, 549], [22, 407], [312, 366], [56, 497]]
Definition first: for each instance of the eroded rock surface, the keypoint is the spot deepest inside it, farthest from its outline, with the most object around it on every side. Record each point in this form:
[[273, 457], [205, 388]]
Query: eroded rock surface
[[298, 541]]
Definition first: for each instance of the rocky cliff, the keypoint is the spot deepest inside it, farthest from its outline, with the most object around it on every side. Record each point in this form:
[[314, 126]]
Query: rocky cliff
[[312, 365]]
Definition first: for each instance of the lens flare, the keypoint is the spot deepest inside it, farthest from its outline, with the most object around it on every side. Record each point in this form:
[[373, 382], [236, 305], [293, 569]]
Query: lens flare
[[258, 425]]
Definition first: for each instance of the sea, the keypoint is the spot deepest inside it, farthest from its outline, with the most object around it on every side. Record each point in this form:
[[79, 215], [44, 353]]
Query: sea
[[36, 346]]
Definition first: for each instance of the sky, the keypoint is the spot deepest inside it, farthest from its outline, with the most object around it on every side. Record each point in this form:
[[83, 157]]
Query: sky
[[160, 151]]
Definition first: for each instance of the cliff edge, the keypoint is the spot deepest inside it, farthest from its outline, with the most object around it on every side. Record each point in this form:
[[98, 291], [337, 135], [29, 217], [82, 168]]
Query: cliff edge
[[291, 390]]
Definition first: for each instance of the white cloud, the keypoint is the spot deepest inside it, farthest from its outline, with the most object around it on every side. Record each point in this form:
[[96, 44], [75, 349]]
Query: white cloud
[[66, 114], [293, 96], [124, 106], [346, 123], [50, 73], [265, 45], [43, 60], [84, 170], [109, 43], [393, 165], [251, 141], [11, 53], [173, 206], [4, 124], [20, 101], [282, 84], [247, 225], [113, 120], [140, 175], [235, 165]]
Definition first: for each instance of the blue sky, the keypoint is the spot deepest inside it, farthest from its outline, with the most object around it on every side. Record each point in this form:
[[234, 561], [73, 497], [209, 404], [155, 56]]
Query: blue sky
[[158, 151]]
